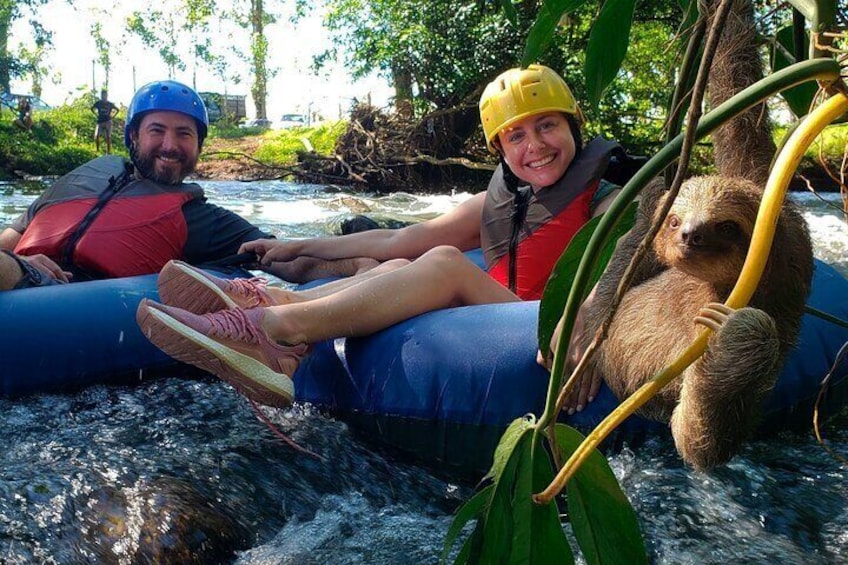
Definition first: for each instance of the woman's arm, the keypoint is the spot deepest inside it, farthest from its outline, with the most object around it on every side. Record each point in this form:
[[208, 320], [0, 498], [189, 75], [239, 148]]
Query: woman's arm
[[460, 228]]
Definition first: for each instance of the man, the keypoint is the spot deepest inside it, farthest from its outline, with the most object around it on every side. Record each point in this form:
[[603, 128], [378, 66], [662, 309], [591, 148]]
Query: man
[[105, 112], [112, 218]]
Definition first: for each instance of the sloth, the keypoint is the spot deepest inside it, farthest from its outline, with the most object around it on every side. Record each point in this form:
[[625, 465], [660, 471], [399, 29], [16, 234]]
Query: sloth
[[714, 406]]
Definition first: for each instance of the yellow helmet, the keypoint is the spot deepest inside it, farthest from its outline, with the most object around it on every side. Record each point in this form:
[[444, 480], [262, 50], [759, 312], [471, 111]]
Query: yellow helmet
[[518, 93]]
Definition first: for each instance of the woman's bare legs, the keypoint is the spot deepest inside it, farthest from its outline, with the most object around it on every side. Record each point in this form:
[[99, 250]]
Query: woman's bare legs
[[285, 296], [441, 278]]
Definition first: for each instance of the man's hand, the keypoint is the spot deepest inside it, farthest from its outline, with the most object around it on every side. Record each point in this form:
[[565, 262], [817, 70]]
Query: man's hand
[[48, 267]]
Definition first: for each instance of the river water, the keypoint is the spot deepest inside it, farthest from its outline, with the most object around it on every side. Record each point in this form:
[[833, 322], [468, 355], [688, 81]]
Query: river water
[[180, 470]]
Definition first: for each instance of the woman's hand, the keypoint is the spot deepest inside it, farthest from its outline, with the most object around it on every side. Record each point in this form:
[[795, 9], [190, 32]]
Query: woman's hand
[[270, 250]]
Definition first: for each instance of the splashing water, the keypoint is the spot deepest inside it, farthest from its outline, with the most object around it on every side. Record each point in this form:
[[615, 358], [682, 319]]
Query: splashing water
[[180, 470]]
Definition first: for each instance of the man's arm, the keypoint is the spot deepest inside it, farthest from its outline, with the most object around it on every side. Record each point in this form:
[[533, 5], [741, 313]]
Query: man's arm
[[9, 238]]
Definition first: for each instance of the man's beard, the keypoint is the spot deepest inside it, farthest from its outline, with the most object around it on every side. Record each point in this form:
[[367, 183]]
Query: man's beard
[[146, 166]]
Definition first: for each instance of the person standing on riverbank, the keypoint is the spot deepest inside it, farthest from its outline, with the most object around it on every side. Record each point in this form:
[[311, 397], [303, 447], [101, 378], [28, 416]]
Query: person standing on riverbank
[[105, 112], [547, 186], [24, 119], [112, 218]]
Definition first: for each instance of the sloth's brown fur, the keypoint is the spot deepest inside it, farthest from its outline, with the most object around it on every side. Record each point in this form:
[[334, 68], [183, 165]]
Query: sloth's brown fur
[[696, 260]]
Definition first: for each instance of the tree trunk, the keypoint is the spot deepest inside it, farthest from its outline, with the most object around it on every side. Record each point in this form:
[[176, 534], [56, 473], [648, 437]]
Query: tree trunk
[[6, 7], [259, 53], [402, 82]]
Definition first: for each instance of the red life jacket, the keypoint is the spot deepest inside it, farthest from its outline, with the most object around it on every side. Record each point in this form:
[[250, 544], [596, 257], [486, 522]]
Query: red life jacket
[[554, 214], [140, 228]]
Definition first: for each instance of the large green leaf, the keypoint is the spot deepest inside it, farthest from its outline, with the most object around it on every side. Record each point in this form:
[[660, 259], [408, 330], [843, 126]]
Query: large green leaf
[[509, 11], [497, 529], [546, 523], [537, 534], [543, 29], [602, 518], [506, 446], [799, 98], [608, 43], [562, 276]]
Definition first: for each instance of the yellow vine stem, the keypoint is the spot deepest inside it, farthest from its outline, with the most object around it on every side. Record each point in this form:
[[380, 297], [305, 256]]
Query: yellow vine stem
[[785, 165]]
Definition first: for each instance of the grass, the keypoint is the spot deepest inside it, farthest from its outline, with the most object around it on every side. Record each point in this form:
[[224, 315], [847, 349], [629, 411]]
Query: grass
[[280, 147]]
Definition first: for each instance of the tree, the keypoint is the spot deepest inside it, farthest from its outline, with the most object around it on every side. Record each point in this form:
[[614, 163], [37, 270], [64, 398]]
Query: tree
[[259, 57], [32, 61], [104, 51], [439, 54], [435, 53], [11, 10]]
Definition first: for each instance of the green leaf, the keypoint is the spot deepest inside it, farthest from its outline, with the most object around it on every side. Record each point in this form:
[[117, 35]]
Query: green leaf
[[602, 518], [506, 446], [552, 545], [472, 509], [798, 97], [509, 11], [607, 46], [541, 34], [498, 527], [562, 276], [523, 535], [538, 537]]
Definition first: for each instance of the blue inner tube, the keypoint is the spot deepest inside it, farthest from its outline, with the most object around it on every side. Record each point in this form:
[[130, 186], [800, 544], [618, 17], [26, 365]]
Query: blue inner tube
[[444, 385], [441, 386]]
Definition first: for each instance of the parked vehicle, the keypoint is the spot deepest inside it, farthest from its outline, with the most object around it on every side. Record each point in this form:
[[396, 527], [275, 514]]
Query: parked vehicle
[[289, 121], [261, 123], [219, 105]]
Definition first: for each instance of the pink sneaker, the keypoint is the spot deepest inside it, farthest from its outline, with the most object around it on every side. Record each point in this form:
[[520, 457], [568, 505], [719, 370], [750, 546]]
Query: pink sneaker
[[230, 344], [194, 290]]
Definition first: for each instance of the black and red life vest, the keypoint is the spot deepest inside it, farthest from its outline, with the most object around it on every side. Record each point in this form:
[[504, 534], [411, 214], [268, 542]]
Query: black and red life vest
[[554, 214], [138, 230]]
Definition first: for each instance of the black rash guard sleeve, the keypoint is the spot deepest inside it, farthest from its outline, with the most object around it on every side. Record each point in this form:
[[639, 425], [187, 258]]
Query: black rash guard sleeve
[[215, 232]]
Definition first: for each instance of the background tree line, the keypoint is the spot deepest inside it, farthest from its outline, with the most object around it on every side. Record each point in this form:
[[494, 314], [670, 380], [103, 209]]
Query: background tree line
[[436, 54]]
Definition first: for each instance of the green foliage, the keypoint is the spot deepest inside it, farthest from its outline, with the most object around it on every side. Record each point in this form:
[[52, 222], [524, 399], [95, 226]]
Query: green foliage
[[562, 276], [511, 528], [61, 139], [281, 147], [446, 50], [603, 520], [608, 43], [799, 97]]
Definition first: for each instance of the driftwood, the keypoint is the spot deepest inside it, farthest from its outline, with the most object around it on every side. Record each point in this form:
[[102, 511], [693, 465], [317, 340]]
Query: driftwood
[[387, 153]]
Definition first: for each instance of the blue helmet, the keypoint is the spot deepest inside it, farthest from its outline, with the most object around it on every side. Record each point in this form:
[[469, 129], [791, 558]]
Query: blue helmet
[[167, 95]]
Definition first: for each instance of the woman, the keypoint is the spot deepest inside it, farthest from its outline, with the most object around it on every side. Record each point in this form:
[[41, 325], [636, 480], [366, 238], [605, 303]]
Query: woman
[[254, 336]]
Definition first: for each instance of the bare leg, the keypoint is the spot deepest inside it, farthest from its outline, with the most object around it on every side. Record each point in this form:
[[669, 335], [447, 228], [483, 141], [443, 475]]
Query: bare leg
[[441, 278], [285, 296]]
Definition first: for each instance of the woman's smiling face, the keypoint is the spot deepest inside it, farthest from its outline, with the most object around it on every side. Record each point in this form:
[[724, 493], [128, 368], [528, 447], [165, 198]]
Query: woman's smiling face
[[538, 148]]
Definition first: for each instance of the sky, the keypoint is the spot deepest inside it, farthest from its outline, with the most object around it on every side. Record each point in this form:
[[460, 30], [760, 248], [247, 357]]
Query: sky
[[294, 89]]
